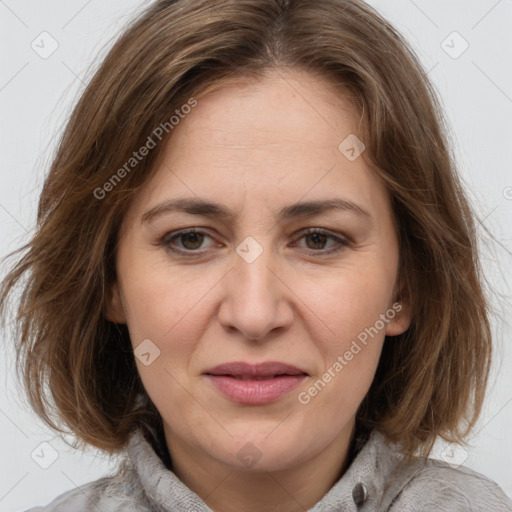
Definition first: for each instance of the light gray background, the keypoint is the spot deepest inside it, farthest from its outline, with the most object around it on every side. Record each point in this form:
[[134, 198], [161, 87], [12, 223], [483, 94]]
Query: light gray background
[[37, 93]]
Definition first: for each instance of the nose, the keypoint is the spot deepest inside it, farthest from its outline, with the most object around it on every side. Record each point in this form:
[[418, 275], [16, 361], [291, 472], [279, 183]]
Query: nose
[[257, 303]]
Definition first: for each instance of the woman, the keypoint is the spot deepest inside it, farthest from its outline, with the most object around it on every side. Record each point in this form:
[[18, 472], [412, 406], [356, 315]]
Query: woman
[[255, 270]]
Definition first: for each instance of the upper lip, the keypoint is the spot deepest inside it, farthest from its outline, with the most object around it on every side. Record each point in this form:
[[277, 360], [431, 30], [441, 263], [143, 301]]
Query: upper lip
[[265, 369]]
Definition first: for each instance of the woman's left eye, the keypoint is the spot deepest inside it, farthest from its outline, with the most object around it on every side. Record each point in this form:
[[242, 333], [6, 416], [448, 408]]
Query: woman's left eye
[[318, 238], [190, 241]]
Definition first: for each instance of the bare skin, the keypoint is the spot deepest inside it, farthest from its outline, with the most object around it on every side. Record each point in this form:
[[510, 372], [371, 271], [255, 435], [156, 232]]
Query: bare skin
[[255, 148]]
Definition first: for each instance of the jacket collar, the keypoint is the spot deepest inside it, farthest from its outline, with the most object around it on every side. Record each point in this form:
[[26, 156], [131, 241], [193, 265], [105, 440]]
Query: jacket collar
[[372, 481]]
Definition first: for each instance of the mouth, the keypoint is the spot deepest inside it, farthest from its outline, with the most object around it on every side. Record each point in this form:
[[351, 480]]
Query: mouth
[[255, 384], [261, 371]]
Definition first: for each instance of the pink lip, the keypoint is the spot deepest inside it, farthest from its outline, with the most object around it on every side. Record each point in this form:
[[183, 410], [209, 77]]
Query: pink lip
[[279, 379]]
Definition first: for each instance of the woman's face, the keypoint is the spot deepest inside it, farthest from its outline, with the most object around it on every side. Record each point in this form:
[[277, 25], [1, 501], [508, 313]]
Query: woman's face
[[251, 169]]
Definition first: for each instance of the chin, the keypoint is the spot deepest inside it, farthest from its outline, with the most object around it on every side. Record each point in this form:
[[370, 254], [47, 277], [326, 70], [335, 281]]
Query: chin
[[267, 448]]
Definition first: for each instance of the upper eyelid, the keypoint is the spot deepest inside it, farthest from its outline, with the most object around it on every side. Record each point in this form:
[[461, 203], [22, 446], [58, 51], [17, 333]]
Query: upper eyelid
[[204, 231]]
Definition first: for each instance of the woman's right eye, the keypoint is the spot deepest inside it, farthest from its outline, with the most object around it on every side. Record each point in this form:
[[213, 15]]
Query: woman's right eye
[[185, 241]]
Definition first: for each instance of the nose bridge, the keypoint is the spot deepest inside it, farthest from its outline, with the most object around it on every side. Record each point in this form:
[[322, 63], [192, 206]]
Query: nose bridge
[[253, 280], [253, 269], [254, 303]]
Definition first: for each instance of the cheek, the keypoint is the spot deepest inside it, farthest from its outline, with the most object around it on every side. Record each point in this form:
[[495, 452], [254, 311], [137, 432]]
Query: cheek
[[346, 325], [333, 396], [343, 305], [160, 302]]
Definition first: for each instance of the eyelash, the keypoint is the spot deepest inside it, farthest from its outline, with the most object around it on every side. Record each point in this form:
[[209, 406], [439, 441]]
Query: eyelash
[[168, 238]]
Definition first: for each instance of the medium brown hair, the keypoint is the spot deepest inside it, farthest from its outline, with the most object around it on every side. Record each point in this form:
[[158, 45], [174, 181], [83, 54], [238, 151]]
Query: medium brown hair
[[78, 368]]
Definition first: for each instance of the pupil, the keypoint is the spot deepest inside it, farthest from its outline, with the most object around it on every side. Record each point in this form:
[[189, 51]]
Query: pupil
[[318, 238], [195, 238]]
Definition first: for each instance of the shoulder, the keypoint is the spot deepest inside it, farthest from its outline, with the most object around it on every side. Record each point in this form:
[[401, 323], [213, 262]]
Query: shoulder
[[436, 485], [118, 493], [393, 484]]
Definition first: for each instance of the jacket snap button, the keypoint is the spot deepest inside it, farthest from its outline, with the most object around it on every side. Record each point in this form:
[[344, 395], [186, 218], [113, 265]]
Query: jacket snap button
[[359, 494]]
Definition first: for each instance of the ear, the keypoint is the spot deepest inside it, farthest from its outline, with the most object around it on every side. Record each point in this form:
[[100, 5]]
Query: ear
[[114, 311], [400, 314]]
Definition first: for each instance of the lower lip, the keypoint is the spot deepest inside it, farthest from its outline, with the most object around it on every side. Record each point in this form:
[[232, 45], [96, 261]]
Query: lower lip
[[255, 392]]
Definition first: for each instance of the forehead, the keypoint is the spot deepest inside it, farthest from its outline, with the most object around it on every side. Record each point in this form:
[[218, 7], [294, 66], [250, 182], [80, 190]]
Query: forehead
[[282, 109], [275, 140]]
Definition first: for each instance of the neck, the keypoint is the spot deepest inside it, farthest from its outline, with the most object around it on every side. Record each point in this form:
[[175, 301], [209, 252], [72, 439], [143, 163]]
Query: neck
[[225, 488]]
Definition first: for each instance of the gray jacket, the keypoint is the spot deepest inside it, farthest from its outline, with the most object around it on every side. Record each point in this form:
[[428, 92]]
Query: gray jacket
[[375, 481]]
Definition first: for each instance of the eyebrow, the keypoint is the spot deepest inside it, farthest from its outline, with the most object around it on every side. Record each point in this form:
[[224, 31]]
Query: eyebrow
[[205, 208]]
